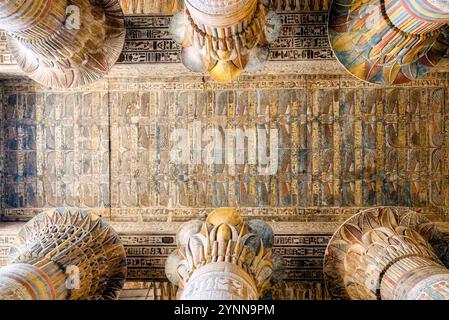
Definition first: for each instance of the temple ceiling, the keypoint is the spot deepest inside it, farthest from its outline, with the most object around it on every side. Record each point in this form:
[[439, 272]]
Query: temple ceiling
[[345, 145]]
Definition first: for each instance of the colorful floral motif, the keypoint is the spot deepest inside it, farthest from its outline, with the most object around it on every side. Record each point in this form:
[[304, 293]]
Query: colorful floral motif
[[373, 48]]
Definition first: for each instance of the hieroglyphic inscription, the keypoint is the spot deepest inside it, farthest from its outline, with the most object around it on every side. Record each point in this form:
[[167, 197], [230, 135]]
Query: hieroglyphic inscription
[[5, 56], [303, 37], [146, 255], [344, 146], [6, 241], [303, 254], [148, 40], [55, 151]]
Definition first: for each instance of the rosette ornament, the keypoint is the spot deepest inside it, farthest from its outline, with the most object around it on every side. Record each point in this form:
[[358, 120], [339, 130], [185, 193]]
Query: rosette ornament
[[61, 43], [224, 258], [389, 41], [225, 38]]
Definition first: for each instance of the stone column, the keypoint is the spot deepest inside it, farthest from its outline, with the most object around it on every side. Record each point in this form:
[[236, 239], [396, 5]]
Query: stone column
[[224, 258], [225, 37], [61, 44], [387, 254], [65, 254], [389, 41]]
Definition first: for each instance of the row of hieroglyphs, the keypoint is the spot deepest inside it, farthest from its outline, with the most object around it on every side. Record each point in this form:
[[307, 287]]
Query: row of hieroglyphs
[[337, 147], [148, 40]]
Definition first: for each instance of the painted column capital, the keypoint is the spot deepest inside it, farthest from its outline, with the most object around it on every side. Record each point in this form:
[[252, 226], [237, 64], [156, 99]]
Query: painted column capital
[[436, 11], [389, 41], [416, 17], [62, 45], [224, 258], [386, 253], [65, 254], [224, 38]]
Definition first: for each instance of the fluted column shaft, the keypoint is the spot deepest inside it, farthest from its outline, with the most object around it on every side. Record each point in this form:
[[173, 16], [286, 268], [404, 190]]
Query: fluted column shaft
[[22, 281], [416, 17], [415, 278]]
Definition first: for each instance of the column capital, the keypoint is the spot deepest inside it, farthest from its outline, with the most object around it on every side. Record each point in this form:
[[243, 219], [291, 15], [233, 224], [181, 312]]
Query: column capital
[[64, 45], [388, 41], [224, 258], [72, 253], [368, 245], [225, 38]]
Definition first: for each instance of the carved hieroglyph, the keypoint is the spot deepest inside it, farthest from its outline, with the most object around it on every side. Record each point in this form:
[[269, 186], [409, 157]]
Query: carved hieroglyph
[[389, 254], [389, 41], [225, 38], [224, 259], [65, 254], [344, 146], [61, 45]]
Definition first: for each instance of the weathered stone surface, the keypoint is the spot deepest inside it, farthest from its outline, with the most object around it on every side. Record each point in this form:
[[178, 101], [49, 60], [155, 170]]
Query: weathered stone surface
[[55, 151], [343, 145]]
